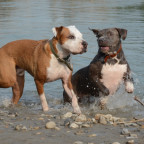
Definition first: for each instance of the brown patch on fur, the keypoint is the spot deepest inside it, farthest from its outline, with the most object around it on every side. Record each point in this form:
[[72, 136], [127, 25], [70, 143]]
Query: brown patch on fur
[[62, 34], [7, 70], [39, 86], [42, 60], [54, 43]]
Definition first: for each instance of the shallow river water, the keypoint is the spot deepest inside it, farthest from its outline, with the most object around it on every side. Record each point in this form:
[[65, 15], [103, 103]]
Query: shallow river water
[[34, 19]]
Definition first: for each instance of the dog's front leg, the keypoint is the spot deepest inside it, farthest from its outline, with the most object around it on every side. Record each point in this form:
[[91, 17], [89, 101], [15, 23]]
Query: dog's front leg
[[128, 81], [103, 89], [94, 77], [99, 85], [40, 89], [69, 90]]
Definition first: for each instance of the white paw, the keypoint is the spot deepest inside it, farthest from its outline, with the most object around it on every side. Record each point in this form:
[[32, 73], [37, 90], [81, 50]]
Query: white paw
[[102, 102], [77, 110], [45, 109], [129, 87]]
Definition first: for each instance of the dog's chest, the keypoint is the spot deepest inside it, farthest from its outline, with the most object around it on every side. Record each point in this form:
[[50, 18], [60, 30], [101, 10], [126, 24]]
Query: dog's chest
[[56, 70], [112, 75]]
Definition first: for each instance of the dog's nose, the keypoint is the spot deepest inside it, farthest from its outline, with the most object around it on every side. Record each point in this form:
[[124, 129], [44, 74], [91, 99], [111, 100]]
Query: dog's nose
[[101, 40], [84, 43]]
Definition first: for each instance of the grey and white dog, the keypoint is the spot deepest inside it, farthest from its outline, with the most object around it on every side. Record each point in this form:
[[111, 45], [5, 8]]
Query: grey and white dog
[[107, 70]]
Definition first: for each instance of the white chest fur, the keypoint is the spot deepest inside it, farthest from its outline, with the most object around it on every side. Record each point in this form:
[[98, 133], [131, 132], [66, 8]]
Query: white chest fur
[[112, 75], [56, 70]]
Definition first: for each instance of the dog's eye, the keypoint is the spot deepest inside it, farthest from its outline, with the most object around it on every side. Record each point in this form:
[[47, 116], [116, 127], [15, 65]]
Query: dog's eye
[[71, 37], [99, 35], [110, 34]]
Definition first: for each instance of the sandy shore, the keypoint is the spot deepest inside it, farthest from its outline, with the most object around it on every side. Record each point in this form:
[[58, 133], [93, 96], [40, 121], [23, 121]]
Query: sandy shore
[[24, 125]]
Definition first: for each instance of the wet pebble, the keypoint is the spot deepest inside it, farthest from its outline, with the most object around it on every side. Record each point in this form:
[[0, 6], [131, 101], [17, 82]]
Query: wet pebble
[[79, 123], [102, 120], [125, 131], [24, 128], [13, 114], [20, 127], [40, 118], [94, 121], [43, 115], [50, 125], [132, 136], [81, 118], [74, 126], [115, 119], [38, 133], [92, 135], [57, 128], [50, 116], [80, 132], [130, 142], [3, 113], [108, 117], [58, 117], [78, 142], [27, 118], [85, 125], [130, 124], [1, 118], [67, 122], [67, 115], [97, 116], [36, 128]]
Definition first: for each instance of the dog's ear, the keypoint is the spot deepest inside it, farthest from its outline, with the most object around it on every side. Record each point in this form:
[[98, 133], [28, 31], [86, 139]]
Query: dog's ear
[[57, 30], [122, 33], [95, 31]]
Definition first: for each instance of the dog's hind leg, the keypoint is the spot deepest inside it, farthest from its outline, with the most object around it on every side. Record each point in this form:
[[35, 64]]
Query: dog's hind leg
[[40, 89], [18, 86]]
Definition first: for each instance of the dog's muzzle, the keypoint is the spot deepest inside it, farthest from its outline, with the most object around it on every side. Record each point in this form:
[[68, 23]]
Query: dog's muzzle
[[103, 45], [84, 44]]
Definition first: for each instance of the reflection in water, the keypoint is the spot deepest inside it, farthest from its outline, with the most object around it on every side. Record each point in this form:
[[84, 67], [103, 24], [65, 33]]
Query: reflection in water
[[34, 19]]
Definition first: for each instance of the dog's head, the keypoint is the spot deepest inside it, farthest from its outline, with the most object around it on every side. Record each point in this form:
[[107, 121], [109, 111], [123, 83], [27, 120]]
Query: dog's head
[[70, 39], [109, 39]]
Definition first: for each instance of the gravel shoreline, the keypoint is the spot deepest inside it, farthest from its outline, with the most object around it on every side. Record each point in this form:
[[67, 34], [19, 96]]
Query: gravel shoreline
[[23, 125]]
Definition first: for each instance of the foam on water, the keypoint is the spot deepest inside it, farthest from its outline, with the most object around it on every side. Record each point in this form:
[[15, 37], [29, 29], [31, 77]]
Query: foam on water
[[5, 101], [121, 99]]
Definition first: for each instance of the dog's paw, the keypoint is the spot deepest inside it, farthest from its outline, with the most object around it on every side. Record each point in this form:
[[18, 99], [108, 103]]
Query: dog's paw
[[45, 109], [102, 103], [129, 87], [77, 110]]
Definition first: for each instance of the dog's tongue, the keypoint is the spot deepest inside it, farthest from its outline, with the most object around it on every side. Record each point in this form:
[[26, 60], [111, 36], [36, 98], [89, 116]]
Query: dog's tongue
[[105, 48]]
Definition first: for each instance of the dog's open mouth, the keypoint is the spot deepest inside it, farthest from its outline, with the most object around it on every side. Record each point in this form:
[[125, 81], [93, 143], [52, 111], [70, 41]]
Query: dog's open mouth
[[104, 48]]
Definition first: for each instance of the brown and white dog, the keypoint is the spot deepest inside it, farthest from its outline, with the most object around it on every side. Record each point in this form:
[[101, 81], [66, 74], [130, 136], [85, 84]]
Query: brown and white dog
[[44, 60]]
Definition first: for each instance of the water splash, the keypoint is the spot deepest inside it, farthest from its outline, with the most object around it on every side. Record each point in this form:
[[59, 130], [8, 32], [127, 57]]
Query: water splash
[[5, 102]]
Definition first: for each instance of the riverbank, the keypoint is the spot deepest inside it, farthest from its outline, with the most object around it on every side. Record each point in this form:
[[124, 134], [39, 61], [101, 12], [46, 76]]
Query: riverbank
[[25, 125]]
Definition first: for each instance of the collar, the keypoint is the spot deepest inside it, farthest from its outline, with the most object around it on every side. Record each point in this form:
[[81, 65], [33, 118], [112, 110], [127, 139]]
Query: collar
[[113, 55], [62, 60], [67, 58]]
